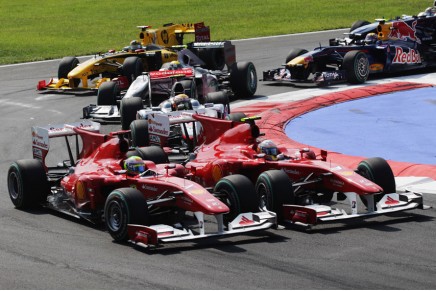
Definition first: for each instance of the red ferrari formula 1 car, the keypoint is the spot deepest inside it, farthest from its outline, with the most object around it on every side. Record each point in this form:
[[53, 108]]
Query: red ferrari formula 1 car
[[294, 183], [139, 196], [387, 46]]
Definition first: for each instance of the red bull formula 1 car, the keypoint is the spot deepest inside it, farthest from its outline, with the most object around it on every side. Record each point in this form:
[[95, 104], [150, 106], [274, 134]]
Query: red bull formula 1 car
[[135, 192], [402, 44], [301, 187]]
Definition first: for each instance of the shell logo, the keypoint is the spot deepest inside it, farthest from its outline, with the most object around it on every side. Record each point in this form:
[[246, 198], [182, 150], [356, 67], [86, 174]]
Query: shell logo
[[217, 173]]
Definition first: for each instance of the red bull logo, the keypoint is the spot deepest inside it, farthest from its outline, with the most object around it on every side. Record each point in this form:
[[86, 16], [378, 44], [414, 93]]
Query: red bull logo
[[402, 30], [410, 57]]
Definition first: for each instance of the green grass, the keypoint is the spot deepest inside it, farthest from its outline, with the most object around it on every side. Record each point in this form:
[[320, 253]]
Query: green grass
[[38, 30]]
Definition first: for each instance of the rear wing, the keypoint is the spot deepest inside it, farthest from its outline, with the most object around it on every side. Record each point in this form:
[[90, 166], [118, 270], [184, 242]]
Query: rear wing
[[217, 49], [172, 34], [41, 136]]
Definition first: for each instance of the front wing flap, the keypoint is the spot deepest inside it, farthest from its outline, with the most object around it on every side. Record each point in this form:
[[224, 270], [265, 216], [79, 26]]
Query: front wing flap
[[156, 234], [326, 78], [311, 215]]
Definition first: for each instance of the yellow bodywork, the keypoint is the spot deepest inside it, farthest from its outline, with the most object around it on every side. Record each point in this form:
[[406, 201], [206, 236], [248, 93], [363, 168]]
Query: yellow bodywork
[[167, 35]]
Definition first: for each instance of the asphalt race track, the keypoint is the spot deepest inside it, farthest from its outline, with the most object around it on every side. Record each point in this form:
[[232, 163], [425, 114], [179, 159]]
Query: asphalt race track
[[45, 250]]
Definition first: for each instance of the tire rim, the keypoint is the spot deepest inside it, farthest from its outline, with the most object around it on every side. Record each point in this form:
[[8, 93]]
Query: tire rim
[[115, 216], [263, 198], [362, 67], [252, 80], [13, 186]]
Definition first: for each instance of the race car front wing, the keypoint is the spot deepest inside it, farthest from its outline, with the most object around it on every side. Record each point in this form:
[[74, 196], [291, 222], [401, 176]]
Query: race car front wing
[[152, 236], [311, 215]]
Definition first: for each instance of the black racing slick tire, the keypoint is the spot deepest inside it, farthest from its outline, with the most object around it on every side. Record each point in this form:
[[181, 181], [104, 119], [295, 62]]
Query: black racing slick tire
[[107, 93], [190, 88], [132, 68], [293, 53], [219, 97], [274, 188], [124, 206], [236, 116], [139, 133], [27, 184], [66, 65], [356, 66], [128, 109], [378, 171], [243, 79], [358, 23], [150, 153], [237, 192]]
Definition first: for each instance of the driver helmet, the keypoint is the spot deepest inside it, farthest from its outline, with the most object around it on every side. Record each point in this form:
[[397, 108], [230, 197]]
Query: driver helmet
[[268, 148], [135, 45], [181, 102], [134, 165], [371, 38]]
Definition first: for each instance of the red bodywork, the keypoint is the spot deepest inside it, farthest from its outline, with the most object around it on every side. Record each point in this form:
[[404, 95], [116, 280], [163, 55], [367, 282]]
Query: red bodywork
[[100, 171], [230, 148]]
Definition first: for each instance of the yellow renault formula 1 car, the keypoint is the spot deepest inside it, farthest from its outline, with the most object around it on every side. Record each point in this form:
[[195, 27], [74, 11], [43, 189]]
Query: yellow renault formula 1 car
[[125, 65]]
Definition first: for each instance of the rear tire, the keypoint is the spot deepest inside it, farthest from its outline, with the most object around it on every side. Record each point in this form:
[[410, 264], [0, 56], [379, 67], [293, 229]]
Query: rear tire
[[128, 109], [238, 193], [273, 189], [356, 66], [243, 79], [236, 116], [107, 93], [27, 184], [219, 98], [66, 65], [124, 206], [378, 171], [139, 133]]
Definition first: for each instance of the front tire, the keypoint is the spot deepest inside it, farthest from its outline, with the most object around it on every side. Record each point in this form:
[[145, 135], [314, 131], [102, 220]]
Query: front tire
[[378, 171], [356, 66], [27, 184], [237, 192], [128, 109], [150, 153], [107, 93], [274, 188], [66, 65], [124, 206]]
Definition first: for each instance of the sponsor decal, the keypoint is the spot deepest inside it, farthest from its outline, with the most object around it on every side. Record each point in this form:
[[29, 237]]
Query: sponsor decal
[[245, 221], [337, 183], [291, 171], [410, 57], [348, 173], [197, 191], [149, 188], [154, 139], [37, 153], [163, 74], [402, 30], [217, 173], [391, 201]]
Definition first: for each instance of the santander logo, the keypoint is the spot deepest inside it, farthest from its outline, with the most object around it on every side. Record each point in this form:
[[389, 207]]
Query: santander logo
[[410, 57]]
